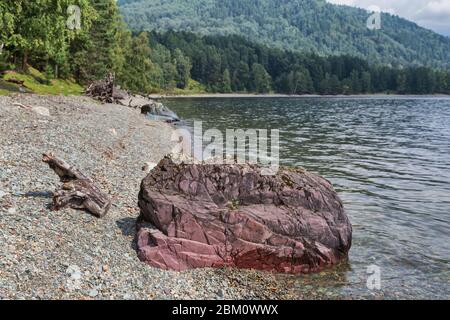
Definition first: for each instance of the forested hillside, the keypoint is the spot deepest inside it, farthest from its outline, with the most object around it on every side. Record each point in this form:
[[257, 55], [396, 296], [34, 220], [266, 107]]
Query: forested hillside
[[302, 25], [233, 64], [38, 45]]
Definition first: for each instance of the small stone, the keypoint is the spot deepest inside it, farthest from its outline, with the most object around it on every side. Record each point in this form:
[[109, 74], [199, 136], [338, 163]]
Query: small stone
[[12, 210], [42, 111], [74, 272], [93, 293], [105, 268], [127, 296], [2, 194], [72, 285]]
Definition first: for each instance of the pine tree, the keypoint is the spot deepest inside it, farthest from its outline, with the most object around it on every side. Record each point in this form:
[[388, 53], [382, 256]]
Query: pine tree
[[366, 82], [226, 82], [183, 66], [241, 78], [100, 46], [139, 65], [261, 80], [401, 82], [37, 30]]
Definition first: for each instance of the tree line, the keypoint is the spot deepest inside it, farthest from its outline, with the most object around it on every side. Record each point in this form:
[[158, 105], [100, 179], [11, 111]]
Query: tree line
[[36, 33], [233, 64], [40, 34]]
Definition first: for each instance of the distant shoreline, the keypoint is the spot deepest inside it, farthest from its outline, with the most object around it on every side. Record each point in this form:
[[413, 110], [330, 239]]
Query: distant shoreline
[[249, 95]]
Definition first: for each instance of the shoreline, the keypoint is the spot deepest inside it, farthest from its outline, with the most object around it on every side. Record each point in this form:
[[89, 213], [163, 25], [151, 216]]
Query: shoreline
[[69, 254], [249, 95]]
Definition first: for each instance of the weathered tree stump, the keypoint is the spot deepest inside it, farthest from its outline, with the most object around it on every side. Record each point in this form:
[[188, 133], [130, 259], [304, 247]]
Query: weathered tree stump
[[102, 90], [78, 191]]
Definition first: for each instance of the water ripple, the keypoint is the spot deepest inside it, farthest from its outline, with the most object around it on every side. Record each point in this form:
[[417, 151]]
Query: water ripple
[[389, 158]]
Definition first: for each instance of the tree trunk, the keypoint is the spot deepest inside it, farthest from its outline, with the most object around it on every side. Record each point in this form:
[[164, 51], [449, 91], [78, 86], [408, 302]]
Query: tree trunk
[[25, 61]]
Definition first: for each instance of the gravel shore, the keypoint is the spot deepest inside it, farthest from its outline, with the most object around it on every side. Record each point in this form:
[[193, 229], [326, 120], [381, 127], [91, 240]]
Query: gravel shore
[[70, 254]]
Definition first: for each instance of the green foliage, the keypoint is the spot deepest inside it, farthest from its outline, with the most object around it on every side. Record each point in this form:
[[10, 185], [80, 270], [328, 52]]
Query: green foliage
[[136, 76], [183, 67], [301, 25], [222, 63], [226, 82], [261, 80], [40, 84], [36, 33], [36, 30], [296, 82]]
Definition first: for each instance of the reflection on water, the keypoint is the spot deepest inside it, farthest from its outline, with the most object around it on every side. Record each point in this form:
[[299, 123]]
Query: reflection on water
[[389, 159]]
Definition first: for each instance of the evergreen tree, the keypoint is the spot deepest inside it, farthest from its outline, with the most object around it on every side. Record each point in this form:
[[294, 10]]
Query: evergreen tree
[[356, 82], [366, 82], [401, 82], [241, 78], [100, 49], [226, 82], [139, 66], [183, 66], [261, 80]]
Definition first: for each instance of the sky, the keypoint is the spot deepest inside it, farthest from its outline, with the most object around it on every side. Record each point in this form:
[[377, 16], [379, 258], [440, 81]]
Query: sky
[[431, 14]]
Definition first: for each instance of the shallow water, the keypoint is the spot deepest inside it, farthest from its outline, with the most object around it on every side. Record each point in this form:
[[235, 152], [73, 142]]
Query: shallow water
[[389, 159]]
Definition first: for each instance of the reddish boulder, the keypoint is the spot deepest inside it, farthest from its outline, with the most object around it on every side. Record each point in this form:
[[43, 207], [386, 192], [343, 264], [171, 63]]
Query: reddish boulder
[[195, 216]]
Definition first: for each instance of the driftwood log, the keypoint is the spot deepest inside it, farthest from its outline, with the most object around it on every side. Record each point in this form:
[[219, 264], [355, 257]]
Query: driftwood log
[[106, 92], [78, 191], [102, 90]]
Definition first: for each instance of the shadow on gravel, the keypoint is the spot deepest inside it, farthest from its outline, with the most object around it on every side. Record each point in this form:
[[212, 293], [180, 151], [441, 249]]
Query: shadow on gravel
[[37, 194], [127, 226]]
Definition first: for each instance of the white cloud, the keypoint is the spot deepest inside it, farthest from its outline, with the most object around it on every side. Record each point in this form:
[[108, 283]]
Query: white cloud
[[432, 14]]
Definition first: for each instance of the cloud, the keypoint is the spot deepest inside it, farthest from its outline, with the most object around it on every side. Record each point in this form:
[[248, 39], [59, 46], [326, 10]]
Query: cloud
[[432, 14]]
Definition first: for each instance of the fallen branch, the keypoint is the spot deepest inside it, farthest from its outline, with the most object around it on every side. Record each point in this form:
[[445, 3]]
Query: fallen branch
[[16, 81], [78, 191], [39, 110], [16, 104]]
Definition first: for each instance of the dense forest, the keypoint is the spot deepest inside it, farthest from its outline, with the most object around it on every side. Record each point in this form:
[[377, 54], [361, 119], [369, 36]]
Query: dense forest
[[313, 26], [232, 64], [44, 34], [37, 34]]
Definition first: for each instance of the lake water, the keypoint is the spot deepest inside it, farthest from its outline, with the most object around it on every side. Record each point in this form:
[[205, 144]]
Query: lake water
[[389, 159]]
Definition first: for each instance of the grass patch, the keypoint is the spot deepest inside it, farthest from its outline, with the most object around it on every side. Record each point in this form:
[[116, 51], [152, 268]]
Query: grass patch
[[8, 88], [4, 92], [194, 87], [39, 84]]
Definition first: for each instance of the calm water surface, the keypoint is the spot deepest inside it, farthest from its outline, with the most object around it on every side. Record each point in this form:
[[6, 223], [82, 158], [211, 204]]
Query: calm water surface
[[389, 159]]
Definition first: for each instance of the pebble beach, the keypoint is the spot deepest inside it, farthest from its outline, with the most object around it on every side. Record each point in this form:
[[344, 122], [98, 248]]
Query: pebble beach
[[69, 254]]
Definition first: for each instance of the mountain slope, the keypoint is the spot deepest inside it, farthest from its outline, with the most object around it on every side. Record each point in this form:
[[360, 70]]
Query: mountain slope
[[305, 25]]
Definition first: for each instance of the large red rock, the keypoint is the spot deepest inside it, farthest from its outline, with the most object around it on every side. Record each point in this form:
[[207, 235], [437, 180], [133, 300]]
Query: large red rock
[[195, 216]]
